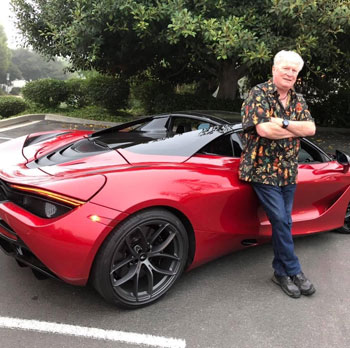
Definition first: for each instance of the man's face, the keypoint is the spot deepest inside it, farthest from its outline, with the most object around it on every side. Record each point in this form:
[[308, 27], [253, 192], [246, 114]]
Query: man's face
[[285, 74]]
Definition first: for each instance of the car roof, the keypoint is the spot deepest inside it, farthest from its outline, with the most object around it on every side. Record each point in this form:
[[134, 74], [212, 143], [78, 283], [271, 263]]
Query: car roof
[[190, 114], [199, 115], [184, 145]]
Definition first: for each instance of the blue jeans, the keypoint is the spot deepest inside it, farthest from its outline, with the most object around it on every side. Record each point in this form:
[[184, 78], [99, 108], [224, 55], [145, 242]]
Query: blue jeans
[[277, 202]]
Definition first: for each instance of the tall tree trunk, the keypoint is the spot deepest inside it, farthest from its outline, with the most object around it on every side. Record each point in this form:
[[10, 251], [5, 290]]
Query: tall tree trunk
[[228, 79]]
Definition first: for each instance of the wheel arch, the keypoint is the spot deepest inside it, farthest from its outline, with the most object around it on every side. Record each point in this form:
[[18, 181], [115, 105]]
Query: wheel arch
[[189, 229], [180, 215]]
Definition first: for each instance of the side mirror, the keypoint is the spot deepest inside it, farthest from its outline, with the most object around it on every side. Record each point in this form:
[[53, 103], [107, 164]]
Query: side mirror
[[343, 159]]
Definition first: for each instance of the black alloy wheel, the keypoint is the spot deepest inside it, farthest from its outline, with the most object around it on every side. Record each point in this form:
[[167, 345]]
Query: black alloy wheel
[[346, 227], [141, 259]]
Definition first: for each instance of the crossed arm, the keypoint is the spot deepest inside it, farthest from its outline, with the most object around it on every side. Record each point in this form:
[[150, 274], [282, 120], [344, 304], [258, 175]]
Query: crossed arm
[[273, 129]]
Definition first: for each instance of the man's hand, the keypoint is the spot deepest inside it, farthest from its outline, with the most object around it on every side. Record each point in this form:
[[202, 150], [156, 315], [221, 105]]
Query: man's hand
[[302, 128]]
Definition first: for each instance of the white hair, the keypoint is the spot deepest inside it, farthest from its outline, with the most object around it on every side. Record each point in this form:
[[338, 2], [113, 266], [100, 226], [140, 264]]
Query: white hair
[[288, 56]]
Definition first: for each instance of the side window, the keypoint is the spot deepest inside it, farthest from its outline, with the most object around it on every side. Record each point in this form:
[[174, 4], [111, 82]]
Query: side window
[[156, 125], [236, 144], [181, 125], [228, 145], [308, 154]]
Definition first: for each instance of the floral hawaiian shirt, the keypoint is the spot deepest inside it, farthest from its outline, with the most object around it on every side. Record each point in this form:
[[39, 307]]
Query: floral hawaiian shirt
[[263, 160]]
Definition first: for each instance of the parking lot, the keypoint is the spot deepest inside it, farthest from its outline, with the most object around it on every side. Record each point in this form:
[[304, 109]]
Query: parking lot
[[228, 303]]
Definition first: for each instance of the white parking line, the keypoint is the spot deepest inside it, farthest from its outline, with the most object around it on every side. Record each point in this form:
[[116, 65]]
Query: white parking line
[[18, 126], [6, 138], [90, 332]]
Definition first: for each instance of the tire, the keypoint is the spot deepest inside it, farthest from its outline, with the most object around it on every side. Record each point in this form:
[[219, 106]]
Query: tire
[[346, 227], [141, 259]]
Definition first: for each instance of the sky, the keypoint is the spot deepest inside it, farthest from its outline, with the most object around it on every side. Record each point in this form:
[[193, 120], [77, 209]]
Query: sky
[[8, 24]]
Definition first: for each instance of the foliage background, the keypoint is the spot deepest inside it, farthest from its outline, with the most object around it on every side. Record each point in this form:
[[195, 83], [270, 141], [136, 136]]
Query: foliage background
[[207, 44]]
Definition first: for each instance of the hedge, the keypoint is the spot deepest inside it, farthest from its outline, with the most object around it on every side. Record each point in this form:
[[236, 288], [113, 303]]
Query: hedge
[[149, 94], [181, 102], [15, 91], [77, 96], [108, 92], [46, 92], [10, 106]]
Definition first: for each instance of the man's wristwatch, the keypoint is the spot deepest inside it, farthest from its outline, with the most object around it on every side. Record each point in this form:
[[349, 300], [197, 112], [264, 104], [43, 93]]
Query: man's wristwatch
[[285, 123]]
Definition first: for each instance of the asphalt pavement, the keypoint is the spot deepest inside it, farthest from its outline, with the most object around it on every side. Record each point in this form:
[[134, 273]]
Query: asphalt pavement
[[18, 126], [228, 303]]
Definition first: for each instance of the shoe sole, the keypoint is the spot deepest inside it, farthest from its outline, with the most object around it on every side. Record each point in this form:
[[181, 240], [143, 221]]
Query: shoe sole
[[284, 290], [308, 292]]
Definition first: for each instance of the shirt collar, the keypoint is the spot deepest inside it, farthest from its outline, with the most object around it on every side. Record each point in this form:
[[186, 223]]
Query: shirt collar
[[271, 88]]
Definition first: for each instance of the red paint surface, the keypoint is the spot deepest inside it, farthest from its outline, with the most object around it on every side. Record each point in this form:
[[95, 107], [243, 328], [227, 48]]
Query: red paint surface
[[222, 210]]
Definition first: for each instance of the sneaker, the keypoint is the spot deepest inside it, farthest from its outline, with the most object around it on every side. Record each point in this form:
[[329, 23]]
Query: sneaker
[[287, 285], [305, 286]]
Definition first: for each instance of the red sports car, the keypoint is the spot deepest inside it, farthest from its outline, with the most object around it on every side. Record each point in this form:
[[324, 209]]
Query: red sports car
[[130, 207]]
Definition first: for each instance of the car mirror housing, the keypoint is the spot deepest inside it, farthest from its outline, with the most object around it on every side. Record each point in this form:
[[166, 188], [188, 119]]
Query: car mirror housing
[[343, 159]]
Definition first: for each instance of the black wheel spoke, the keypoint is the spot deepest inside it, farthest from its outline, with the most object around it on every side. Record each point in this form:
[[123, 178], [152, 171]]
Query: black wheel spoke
[[142, 258], [136, 281], [168, 256], [162, 246], [158, 232], [132, 271], [129, 246], [142, 239], [162, 271], [150, 279], [121, 264]]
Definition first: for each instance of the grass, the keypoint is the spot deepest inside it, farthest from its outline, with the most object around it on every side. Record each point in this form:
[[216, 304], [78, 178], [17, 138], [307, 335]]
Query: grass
[[101, 114], [88, 113]]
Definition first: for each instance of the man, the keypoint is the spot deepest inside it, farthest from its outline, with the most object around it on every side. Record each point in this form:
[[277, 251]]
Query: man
[[274, 117]]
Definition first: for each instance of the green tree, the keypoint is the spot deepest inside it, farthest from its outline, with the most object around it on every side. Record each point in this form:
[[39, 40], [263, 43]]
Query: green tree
[[5, 55], [224, 39], [33, 66]]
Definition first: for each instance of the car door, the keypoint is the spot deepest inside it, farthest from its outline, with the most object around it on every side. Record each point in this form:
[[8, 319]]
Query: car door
[[318, 203], [232, 206], [321, 184]]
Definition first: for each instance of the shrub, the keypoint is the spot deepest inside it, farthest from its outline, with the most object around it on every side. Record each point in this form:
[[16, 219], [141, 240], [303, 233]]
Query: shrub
[[225, 104], [77, 93], [150, 94], [108, 92], [181, 102], [46, 92], [10, 106], [15, 91], [177, 102], [332, 111]]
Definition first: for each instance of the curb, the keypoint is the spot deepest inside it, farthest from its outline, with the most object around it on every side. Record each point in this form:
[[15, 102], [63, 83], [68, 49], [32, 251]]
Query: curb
[[52, 117]]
